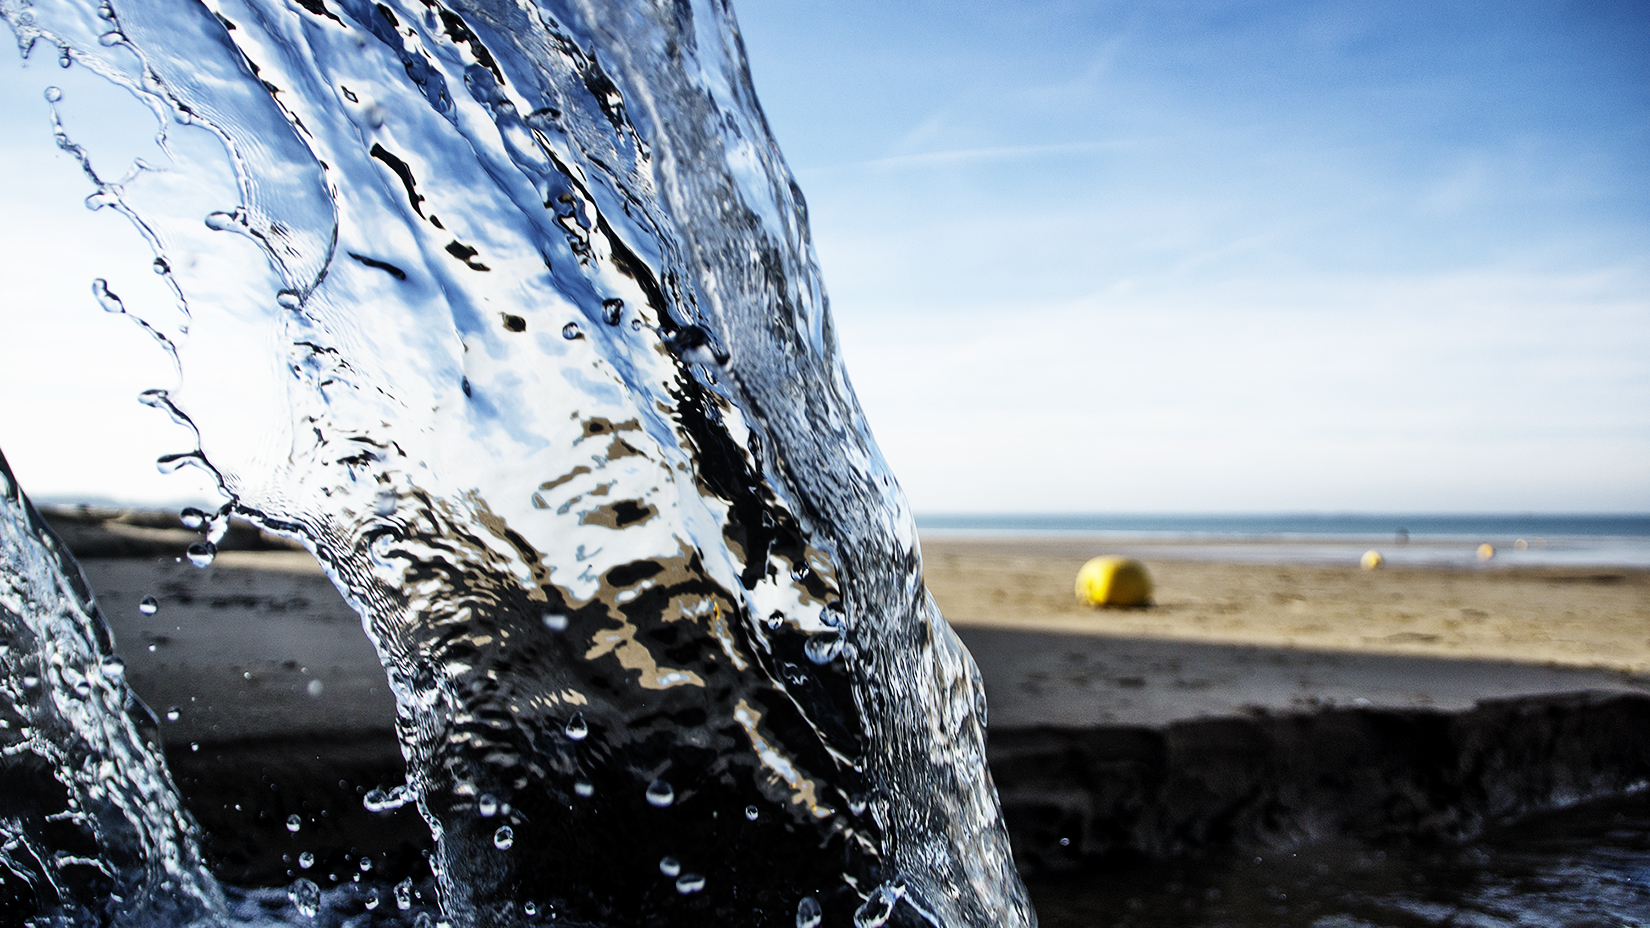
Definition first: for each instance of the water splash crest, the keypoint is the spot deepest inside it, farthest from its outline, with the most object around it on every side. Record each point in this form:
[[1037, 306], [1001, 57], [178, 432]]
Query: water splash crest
[[509, 312], [93, 831]]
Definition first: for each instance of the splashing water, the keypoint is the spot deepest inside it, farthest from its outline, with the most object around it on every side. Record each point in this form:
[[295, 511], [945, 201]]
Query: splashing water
[[521, 300], [91, 829]]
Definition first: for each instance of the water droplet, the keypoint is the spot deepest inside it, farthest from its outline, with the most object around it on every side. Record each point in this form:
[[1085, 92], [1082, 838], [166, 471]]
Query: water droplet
[[366, 864], [222, 222], [487, 805], [149, 605], [403, 894], [105, 298], [670, 866], [172, 463], [530, 907], [808, 913], [689, 883], [774, 621], [571, 331], [114, 668], [660, 794], [504, 837], [289, 299], [371, 902], [876, 911], [63, 60], [693, 345], [30, 681], [584, 790], [377, 800], [792, 674], [192, 518], [201, 553], [555, 621], [612, 311], [751, 813], [173, 714], [823, 647], [315, 689], [306, 860], [293, 823], [161, 267], [53, 95], [305, 896], [576, 728]]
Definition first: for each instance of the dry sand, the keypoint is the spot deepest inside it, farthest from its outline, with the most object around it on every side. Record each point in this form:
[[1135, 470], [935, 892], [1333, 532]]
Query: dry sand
[[1570, 617]]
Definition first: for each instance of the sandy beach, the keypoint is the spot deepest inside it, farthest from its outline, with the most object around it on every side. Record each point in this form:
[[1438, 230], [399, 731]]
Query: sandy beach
[[1571, 617], [260, 643]]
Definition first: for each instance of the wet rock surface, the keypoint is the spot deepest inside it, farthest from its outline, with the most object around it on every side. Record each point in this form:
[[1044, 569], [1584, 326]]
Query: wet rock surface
[[1078, 797]]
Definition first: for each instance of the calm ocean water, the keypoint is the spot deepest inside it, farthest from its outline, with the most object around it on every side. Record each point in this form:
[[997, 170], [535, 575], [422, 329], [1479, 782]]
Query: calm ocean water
[[1402, 539]]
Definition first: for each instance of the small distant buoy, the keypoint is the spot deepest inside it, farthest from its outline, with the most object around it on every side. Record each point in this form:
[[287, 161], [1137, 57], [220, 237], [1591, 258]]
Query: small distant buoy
[[1371, 559], [1521, 545], [1114, 581], [1486, 551]]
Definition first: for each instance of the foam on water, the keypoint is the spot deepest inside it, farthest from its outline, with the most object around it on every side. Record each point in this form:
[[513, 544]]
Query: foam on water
[[509, 312]]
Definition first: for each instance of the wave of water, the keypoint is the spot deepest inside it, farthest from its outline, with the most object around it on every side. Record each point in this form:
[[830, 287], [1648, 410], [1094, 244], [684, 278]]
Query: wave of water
[[93, 831], [509, 312]]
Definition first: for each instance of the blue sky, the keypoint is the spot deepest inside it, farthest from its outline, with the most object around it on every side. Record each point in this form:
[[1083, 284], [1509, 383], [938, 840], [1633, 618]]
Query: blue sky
[[1106, 256], [1232, 256]]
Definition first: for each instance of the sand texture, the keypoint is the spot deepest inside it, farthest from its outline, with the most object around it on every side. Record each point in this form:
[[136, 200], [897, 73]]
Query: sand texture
[[1570, 617]]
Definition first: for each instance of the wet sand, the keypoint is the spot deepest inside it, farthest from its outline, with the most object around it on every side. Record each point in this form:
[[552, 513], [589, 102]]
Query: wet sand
[[260, 644]]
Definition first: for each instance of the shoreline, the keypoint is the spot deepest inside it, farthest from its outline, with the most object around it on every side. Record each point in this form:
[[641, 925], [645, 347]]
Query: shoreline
[[1580, 617]]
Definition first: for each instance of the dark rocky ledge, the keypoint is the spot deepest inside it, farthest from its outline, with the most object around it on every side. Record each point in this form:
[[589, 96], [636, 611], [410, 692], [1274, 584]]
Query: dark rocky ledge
[[1074, 799], [1077, 796]]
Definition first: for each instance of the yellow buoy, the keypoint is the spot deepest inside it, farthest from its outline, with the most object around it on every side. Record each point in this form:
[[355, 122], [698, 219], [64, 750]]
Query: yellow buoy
[[1371, 559], [1486, 551], [1114, 581]]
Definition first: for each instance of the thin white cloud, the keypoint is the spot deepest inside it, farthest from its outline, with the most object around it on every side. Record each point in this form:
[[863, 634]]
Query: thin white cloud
[[973, 156]]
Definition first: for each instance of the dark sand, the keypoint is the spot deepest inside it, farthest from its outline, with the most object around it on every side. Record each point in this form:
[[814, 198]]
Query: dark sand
[[260, 643]]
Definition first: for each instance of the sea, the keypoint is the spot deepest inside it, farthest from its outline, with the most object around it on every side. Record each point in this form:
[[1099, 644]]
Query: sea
[[1489, 541]]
